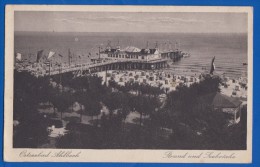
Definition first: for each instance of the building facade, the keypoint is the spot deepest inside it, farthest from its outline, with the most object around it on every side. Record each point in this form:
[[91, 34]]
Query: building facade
[[131, 53], [175, 55], [222, 103]]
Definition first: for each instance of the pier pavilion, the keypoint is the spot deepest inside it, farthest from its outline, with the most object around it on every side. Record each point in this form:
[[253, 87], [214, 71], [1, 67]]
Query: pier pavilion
[[173, 55], [131, 53]]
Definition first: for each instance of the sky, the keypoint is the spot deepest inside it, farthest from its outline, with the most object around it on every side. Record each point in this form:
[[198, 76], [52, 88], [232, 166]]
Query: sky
[[130, 22]]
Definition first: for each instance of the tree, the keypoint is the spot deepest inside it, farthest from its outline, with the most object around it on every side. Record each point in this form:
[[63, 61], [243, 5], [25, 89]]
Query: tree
[[120, 102], [88, 91], [188, 114], [32, 128], [209, 84], [95, 87], [124, 107], [27, 92], [92, 108], [61, 101], [115, 100], [31, 131], [144, 105]]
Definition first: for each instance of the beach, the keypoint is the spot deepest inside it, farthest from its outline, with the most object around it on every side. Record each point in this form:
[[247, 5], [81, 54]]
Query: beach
[[169, 81]]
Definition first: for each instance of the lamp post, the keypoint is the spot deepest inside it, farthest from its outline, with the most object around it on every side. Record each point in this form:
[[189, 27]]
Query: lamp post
[[155, 111], [101, 113], [99, 50]]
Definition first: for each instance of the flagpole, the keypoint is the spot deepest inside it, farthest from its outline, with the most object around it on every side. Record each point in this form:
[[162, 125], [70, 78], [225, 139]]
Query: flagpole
[[106, 77], [69, 54], [49, 68], [76, 60], [60, 73], [99, 52]]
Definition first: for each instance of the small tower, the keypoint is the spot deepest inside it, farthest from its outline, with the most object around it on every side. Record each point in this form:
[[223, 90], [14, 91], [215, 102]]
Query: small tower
[[147, 50], [156, 45], [108, 48], [118, 46]]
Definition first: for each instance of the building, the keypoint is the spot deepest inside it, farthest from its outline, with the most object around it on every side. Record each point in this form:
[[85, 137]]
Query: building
[[131, 53], [174, 55], [222, 103]]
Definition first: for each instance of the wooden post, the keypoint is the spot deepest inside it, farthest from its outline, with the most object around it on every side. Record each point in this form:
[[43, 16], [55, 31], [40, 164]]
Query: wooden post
[[49, 67], [99, 52], [69, 54], [60, 73], [106, 76]]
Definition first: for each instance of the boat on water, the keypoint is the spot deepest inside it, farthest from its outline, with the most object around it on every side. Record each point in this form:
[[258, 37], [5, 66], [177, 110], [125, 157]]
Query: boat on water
[[186, 55]]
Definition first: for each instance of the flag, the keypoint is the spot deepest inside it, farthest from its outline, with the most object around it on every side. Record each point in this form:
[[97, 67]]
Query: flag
[[39, 55], [18, 56], [51, 54], [69, 56], [69, 52], [212, 66]]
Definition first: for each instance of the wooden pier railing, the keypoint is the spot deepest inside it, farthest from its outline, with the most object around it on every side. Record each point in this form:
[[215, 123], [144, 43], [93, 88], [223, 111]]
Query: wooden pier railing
[[86, 66]]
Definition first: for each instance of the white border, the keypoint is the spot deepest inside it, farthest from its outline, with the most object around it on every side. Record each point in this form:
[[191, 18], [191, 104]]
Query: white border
[[89, 155]]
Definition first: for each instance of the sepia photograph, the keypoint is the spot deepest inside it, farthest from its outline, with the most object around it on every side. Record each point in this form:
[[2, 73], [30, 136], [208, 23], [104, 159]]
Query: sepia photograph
[[129, 80]]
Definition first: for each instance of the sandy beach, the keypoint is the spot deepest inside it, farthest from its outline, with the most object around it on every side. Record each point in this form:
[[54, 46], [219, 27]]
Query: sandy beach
[[169, 81]]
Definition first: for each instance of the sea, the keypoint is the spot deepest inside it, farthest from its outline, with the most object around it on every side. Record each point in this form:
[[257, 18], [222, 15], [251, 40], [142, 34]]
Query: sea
[[229, 49]]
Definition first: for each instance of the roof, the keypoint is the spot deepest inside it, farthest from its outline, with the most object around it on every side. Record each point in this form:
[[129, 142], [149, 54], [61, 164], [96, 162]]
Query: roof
[[220, 100], [170, 51], [145, 51], [110, 51], [131, 49]]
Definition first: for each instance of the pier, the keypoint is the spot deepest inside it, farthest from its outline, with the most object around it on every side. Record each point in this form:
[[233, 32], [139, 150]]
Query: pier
[[129, 58], [173, 55], [101, 65]]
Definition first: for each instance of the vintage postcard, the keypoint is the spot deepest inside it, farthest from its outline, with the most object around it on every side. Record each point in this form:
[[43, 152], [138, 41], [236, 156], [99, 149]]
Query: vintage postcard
[[161, 84]]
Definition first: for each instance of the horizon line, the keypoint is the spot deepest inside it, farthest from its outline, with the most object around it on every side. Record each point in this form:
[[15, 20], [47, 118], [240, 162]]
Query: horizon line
[[133, 32]]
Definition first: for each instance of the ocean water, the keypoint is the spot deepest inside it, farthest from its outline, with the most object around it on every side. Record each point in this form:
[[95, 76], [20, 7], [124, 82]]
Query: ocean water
[[230, 50]]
